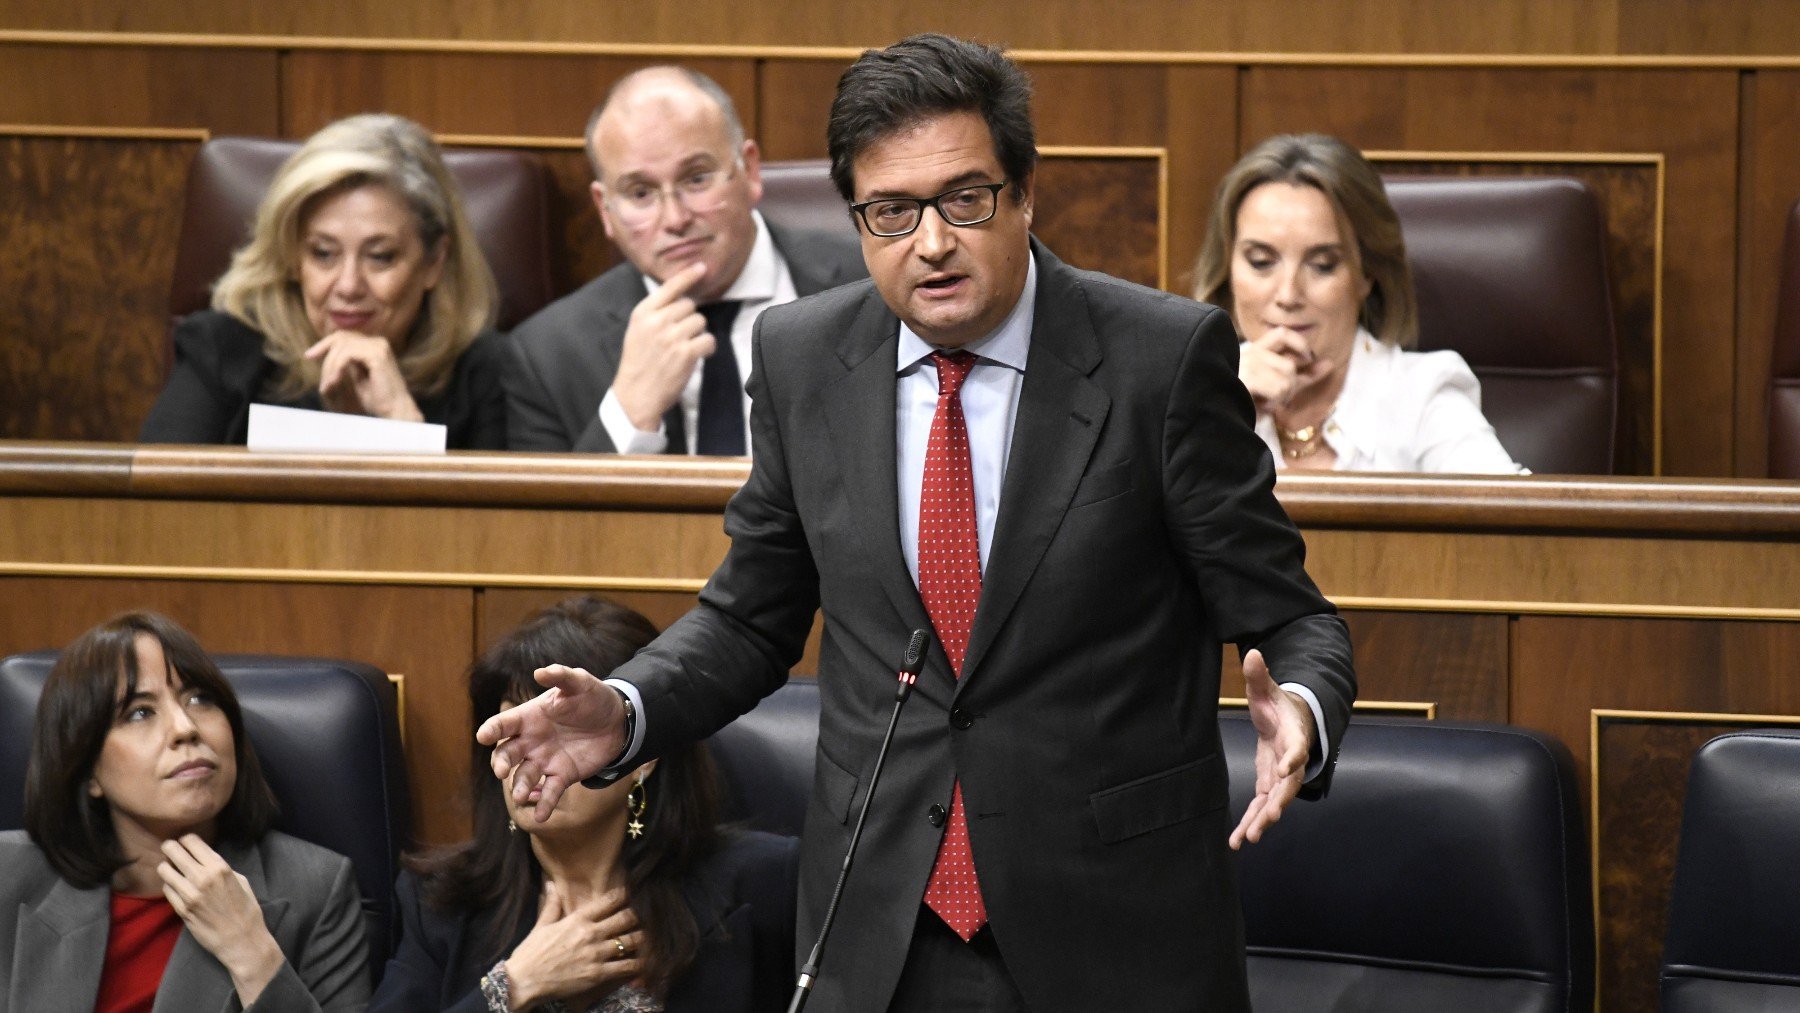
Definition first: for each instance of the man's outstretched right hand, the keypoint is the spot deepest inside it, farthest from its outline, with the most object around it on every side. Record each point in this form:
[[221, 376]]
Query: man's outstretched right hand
[[561, 736]]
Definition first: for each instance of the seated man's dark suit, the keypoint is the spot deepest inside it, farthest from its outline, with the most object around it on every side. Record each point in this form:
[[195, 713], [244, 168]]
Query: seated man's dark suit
[[1137, 530], [564, 358]]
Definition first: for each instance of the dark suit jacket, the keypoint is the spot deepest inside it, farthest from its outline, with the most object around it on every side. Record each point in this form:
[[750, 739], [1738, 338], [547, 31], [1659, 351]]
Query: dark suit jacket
[[564, 358], [53, 936], [220, 369], [742, 899], [1137, 531]]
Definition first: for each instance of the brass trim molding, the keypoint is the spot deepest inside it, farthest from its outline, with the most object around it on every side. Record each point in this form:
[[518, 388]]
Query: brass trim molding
[[509, 141], [1390, 708], [1651, 158], [200, 134], [683, 585], [1598, 610], [1594, 61], [398, 681], [398, 577]]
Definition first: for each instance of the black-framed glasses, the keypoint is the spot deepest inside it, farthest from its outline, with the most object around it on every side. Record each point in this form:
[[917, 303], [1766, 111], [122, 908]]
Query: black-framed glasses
[[889, 217]]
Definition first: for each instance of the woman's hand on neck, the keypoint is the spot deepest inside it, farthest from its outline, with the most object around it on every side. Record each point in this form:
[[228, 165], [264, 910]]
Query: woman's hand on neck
[[585, 864], [143, 853]]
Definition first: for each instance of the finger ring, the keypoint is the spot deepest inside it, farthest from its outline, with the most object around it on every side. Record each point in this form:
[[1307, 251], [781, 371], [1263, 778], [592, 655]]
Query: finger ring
[[619, 944]]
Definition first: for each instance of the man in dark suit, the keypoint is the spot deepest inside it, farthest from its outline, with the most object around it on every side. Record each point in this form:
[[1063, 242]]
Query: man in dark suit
[[645, 358], [1055, 471]]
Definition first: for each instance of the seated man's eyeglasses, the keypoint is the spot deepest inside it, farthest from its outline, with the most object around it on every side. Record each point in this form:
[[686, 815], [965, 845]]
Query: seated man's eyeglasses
[[889, 217], [639, 201]]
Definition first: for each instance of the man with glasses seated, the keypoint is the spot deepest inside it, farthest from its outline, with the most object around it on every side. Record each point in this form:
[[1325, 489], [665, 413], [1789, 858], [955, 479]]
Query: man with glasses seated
[[651, 357]]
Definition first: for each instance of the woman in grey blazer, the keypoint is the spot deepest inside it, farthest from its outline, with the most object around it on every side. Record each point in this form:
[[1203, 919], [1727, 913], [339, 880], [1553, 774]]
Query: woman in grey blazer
[[147, 877]]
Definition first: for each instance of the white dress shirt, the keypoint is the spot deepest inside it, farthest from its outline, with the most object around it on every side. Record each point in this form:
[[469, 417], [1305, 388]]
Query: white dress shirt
[[1407, 411], [764, 282]]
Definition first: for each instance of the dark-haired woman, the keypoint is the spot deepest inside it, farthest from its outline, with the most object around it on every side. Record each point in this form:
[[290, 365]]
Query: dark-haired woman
[[147, 877], [627, 899]]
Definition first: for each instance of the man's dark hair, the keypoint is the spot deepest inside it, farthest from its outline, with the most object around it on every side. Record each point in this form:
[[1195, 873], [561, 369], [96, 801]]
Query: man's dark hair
[[887, 90], [80, 703]]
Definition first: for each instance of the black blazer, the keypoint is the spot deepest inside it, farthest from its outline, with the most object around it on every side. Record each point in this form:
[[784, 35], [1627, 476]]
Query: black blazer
[[220, 369], [742, 899], [1137, 530], [563, 360]]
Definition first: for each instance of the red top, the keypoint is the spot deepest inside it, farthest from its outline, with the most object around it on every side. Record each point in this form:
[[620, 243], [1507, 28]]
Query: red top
[[144, 930]]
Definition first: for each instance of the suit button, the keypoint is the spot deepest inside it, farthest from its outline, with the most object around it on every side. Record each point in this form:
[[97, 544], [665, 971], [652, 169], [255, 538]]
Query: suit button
[[937, 815], [960, 719]]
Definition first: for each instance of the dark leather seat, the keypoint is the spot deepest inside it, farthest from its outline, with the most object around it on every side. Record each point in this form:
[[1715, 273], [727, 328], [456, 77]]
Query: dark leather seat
[[1733, 944], [506, 194], [799, 195], [766, 757], [1446, 870], [1784, 372], [1511, 273], [328, 735]]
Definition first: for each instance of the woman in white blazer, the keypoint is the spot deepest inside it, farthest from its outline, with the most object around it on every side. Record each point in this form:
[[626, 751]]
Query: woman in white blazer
[[147, 877], [1305, 251]]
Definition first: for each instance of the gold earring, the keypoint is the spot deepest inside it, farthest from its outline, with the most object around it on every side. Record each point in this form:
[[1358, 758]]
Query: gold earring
[[636, 801]]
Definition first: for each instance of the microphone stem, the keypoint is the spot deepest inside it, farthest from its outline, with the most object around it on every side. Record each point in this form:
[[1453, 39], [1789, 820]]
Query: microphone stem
[[809, 971]]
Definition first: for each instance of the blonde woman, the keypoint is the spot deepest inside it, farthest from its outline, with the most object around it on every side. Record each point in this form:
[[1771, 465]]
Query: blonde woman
[[361, 291], [1305, 251]]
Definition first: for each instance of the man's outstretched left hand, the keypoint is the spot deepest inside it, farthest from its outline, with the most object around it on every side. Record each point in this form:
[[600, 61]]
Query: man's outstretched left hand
[[1284, 739]]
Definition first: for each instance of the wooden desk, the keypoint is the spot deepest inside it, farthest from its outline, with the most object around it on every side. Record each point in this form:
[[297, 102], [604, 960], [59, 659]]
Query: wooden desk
[[1631, 618]]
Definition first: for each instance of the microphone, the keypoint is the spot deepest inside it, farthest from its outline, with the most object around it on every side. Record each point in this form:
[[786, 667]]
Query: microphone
[[910, 665]]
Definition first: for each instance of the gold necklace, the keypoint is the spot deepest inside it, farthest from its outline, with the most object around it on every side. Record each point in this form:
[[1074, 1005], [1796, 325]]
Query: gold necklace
[[1307, 440]]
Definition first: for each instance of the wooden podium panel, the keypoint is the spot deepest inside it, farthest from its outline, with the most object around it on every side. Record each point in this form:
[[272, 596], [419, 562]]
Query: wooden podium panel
[[1543, 602]]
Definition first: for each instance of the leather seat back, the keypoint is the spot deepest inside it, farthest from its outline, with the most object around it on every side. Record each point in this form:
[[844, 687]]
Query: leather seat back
[[1511, 273], [1734, 935], [1446, 870], [328, 736]]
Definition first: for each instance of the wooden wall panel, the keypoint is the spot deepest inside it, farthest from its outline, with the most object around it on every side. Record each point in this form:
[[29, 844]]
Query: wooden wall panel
[[1311, 26], [1629, 195], [90, 227], [500, 609], [1641, 782], [797, 96], [471, 93], [1565, 667], [1771, 184], [224, 91], [1690, 117], [1458, 662], [425, 634], [1103, 214]]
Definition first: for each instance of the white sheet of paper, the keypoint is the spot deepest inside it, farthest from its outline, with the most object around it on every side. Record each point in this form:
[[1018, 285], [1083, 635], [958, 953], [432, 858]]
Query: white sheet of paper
[[297, 429]]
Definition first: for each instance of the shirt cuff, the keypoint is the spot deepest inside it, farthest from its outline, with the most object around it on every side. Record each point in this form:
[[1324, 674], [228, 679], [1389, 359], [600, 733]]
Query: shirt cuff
[[627, 438], [1313, 766], [619, 767]]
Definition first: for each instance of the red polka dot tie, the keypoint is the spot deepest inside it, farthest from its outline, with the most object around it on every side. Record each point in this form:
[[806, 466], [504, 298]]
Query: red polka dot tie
[[950, 584]]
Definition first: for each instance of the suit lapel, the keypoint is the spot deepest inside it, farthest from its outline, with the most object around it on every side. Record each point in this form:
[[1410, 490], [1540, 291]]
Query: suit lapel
[[61, 945], [1061, 413], [860, 409]]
